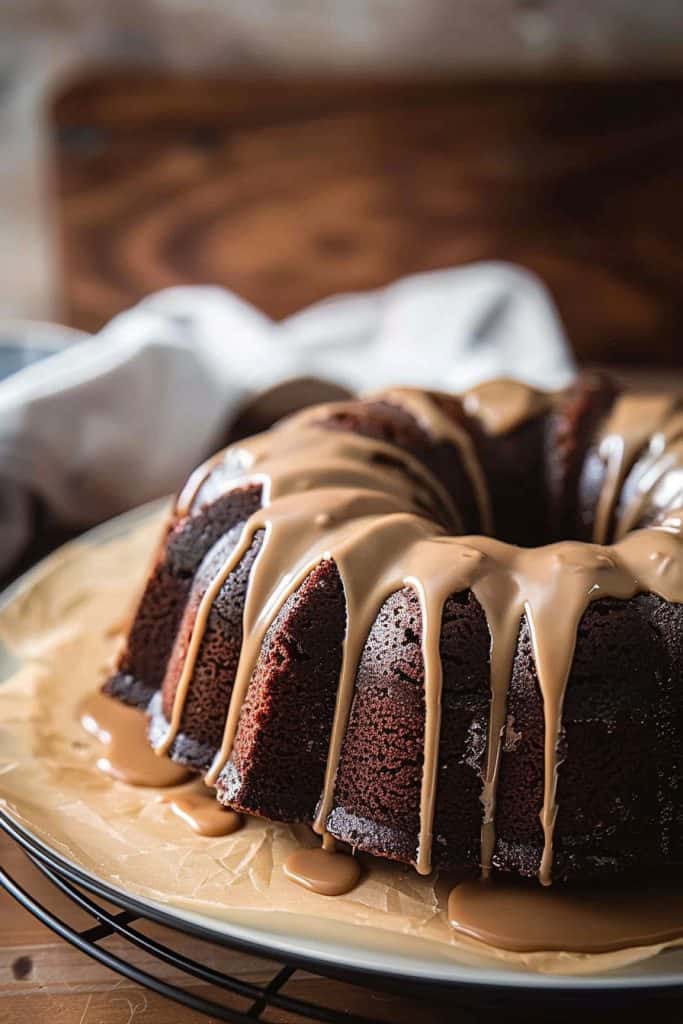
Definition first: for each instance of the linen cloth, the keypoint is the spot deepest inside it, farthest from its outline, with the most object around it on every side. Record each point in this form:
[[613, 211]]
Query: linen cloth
[[96, 425]]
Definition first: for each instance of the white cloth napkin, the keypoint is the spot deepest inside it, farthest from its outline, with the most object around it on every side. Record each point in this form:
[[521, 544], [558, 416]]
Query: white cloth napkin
[[114, 420]]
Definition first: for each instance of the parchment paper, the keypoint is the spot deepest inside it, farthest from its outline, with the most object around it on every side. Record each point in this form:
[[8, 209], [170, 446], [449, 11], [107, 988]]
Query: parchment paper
[[61, 634]]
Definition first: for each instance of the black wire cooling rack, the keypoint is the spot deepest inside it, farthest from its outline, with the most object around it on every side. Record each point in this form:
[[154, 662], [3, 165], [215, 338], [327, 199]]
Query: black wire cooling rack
[[452, 1003], [122, 923], [126, 920]]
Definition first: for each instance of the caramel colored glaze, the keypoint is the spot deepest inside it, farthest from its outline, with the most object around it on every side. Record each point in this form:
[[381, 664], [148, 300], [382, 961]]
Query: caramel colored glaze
[[634, 420], [502, 405], [321, 871], [441, 427], [197, 807], [329, 843], [523, 918], [189, 493], [300, 455], [128, 756], [658, 477], [384, 521]]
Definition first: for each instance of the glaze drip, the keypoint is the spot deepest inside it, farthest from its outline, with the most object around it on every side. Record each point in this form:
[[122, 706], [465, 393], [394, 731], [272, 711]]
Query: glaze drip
[[323, 871], [503, 405], [386, 523], [440, 427], [634, 420], [523, 918], [197, 807], [655, 482], [128, 756]]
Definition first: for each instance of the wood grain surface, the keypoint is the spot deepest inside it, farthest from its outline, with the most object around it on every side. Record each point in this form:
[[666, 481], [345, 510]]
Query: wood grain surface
[[43, 980], [287, 191]]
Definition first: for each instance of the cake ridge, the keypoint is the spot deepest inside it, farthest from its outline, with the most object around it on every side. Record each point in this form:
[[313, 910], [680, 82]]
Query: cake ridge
[[633, 419], [383, 528], [424, 410], [662, 457]]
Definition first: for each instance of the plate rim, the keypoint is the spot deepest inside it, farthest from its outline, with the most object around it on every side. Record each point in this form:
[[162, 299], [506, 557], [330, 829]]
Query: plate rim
[[193, 923], [254, 940]]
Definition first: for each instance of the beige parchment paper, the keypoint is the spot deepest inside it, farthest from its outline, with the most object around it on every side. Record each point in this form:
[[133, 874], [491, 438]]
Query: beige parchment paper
[[60, 634]]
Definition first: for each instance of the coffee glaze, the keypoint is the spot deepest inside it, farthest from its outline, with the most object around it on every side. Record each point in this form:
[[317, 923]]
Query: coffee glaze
[[323, 871], [128, 757], [635, 421], [525, 918], [440, 427], [654, 484], [501, 406], [197, 807], [386, 523]]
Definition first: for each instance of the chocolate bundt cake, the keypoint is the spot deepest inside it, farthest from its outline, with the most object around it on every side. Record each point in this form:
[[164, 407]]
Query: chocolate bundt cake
[[443, 629]]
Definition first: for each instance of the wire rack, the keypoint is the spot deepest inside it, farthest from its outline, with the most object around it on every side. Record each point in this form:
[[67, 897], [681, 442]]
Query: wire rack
[[127, 923], [122, 923], [128, 917]]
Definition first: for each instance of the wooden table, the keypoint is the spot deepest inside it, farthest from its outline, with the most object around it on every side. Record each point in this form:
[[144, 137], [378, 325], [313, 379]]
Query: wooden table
[[290, 191], [43, 980]]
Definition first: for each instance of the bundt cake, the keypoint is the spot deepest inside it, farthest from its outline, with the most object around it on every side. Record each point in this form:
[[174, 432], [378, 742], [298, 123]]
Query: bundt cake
[[443, 629]]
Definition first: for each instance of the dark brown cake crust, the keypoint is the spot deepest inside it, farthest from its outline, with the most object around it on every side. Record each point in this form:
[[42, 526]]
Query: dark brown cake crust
[[142, 666], [620, 747], [572, 488], [278, 762], [206, 706], [386, 422], [620, 807], [377, 796]]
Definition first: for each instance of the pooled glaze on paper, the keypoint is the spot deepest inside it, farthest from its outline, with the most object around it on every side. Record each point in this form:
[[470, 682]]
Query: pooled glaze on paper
[[56, 631], [387, 523], [525, 918]]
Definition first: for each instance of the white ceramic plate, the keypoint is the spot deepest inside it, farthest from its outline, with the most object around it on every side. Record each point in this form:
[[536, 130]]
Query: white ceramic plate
[[346, 948]]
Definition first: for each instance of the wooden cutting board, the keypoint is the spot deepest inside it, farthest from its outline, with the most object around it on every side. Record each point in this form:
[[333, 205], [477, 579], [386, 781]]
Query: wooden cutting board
[[288, 191]]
